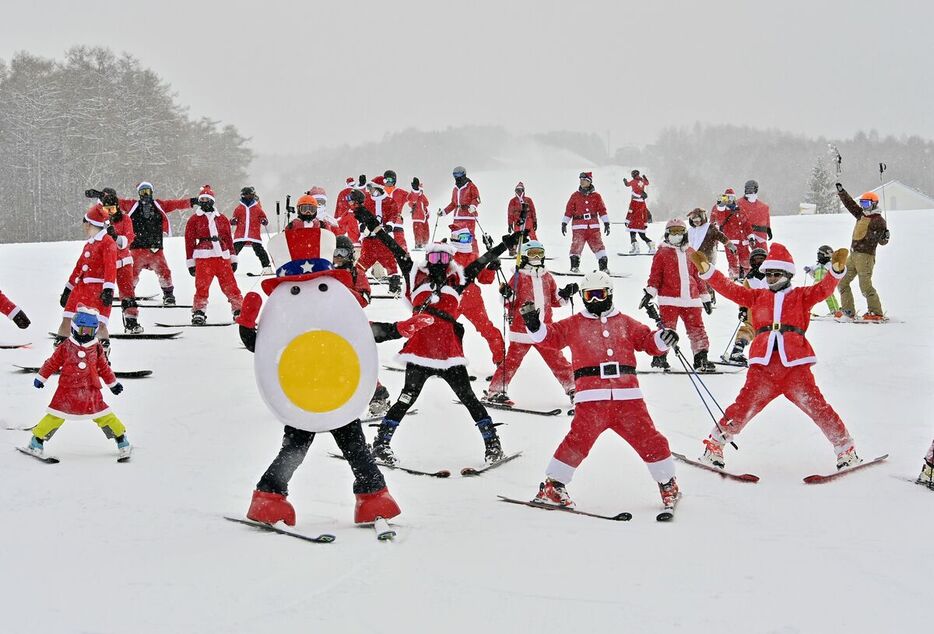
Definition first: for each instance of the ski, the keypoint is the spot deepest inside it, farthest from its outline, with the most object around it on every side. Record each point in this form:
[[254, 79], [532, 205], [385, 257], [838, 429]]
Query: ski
[[656, 371], [146, 298], [376, 419], [14, 346], [220, 323], [475, 471], [569, 274], [252, 274], [325, 538], [122, 374], [45, 459], [393, 368], [521, 410], [164, 306], [441, 473], [619, 517], [725, 361], [385, 296], [740, 477], [820, 479], [668, 513], [627, 254]]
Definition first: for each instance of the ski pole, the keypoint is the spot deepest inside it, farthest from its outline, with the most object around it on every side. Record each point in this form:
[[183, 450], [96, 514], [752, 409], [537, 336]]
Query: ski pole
[[882, 168], [731, 340], [278, 223]]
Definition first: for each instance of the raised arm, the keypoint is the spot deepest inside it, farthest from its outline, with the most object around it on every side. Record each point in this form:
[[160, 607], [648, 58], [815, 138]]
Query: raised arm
[[362, 214], [473, 269], [851, 205]]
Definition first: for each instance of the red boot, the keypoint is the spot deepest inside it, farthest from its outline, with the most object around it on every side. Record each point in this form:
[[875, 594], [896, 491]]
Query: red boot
[[270, 508], [373, 505]]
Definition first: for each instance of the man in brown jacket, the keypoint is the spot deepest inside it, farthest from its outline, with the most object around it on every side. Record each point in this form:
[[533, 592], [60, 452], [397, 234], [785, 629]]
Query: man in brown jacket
[[870, 232]]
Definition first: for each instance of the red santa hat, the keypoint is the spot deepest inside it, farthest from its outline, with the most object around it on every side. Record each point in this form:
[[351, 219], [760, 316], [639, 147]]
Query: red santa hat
[[207, 192], [779, 259], [587, 175], [97, 216], [520, 185], [316, 191], [303, 254], [377, 181], [440, 246], [729, 192]]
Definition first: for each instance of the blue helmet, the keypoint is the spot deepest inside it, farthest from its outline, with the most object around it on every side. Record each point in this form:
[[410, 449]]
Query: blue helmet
[[84, 324]]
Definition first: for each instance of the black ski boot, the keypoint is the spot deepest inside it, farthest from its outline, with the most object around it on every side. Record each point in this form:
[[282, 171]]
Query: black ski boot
[[493, 447], [701, 364], [382, 452], [575, 264], [395, 285], [131, 326], [661, 361], [379, 404], [168, 296], [198, 318], [736, 354], [603, 263]]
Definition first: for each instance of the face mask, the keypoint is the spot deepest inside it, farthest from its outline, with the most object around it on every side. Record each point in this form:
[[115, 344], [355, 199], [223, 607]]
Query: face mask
[[752, 197], [601, 306], [207, 206], [696, 221], [675, 238], [778, 285]]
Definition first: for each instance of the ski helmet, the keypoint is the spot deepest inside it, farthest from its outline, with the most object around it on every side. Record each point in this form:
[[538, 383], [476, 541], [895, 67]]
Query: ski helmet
[[438, 256], [306, 206], [144, 189], [697, 217], [533, 254], [675, 231], [597, 292], [416, 184], [459, 172], [751, 187], [343, 249], [869, 200], [824, 254], [84, 324], [634, 173], [756, 258], [248, 192], [390, 177]]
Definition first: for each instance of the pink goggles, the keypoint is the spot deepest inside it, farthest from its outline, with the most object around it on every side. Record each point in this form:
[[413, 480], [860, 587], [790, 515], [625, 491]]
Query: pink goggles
[[438, 257]]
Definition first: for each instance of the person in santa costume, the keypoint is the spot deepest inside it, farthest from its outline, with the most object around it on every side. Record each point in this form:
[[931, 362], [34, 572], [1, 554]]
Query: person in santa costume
[[93, 280], [418, 208], [399, 195], [472, 307], [247, 220], [757, 216], [731, 220], [303, 256], [638, 217], [703, 236], [82, 363], [780, 357], [755, 278], [435, 287], [465, 198], [384, 209], [518, 205], [603, 344], [9, 309], [321, 198], [531, 283], [584, 212], [343, 212], [681, 294], [210, 254], [310, 216]]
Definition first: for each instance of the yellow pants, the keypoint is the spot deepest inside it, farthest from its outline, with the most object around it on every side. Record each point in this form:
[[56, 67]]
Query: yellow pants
[[109, 424], [860, 265]]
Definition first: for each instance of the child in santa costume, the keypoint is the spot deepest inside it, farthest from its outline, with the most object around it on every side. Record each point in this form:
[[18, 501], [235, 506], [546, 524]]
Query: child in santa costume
[[731, 220], [373, 251], [82, 363], [210, 254], [681, 294], [638, 217], [248, 218], [603, 344], [531, 283], [418, 208], [584, 212], [520, 205], [780, 356], [14, 312]]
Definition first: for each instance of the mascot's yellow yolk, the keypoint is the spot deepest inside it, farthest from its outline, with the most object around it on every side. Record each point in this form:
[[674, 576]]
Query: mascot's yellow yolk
[[319, 371]]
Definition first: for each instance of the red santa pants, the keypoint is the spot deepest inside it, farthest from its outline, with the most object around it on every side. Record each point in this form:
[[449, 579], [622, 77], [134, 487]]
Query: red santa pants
[[420, 229], [591, 237], [127, 289], [206, 270], [630, 419], [555, 360], [470, 225], [765, 382], [374, 251], [147, 260], [88, 295], [474, 310], [738, 259], [693, 323], [350, 227]]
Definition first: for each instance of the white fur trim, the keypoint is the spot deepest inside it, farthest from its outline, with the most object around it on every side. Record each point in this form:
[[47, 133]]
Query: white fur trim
[[661, 345], [67, 416], [680, 302], [435, 364], [839, 275], [560, 471], [663, 470], [608, 394], [708, 274], [539, 335], [779, 265]]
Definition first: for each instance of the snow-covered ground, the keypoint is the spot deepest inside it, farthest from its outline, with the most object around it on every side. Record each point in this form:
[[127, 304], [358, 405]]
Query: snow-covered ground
[[94, 546]]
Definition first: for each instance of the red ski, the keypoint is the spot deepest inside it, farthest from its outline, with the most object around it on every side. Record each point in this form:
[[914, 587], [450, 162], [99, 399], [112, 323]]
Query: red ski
[[820, 479], [740, 477]]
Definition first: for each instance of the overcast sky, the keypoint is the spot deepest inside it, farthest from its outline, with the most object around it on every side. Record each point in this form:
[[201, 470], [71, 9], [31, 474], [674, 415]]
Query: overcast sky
[[297, 75]]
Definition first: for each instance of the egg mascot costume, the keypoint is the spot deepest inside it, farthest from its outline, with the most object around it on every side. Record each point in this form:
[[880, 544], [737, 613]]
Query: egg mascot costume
[[316, 366]]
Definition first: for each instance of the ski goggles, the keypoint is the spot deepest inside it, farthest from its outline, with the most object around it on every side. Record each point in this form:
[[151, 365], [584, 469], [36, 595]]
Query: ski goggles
[[145, 192], [595, 294], [307, 210], [774, 273], [343, 253], [389, 180], [438, 257], [535, 254], [677, 230], [865, 203], [110, 209], [462, 238], [727, 199], [459, 174], [83, 331]]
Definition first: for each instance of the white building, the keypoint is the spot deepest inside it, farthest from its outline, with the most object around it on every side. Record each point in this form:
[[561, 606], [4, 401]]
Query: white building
[[896, 195]]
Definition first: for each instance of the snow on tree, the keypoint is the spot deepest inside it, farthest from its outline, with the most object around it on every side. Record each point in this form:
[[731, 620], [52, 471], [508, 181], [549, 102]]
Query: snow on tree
[[821, 190]]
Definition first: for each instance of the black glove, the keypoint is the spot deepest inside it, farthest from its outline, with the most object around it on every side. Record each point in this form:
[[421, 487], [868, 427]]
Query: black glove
[[568, 290], [112, 232], [506, 291], [21, 320], [248, 337], [415, 183], [264, 221], [708, 307], [495, 264], [64, 298], [768, 232], [193, 202], [107, 296], [606, 229], [743, 313], [117, 388], [92, 193], [886, 235], [564, 228], [531, 316], [839, 187], [233, 265], [364, 217], [669, 337], [487, 241], [512, 240], [233, 222], [191, 270], [646, 301]]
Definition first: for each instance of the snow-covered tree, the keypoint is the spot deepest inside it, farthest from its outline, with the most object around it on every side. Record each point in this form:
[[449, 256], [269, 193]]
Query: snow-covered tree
[[821, 189]]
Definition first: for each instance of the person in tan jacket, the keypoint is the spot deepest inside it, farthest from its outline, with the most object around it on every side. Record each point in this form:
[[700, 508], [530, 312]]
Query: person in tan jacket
[[870, 232]]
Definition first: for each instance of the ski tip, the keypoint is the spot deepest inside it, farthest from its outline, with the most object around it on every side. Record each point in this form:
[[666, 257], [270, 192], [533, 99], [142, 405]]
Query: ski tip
[[665, 516], [623, 517]]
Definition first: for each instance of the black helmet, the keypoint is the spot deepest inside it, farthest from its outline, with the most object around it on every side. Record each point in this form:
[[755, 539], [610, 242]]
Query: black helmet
[[824, 254], [751, 187], [247, 191], [390, 177]]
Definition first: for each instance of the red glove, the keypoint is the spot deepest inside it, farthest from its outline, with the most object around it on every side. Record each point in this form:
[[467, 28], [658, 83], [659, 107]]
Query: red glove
[[249, 311], [413, 324]]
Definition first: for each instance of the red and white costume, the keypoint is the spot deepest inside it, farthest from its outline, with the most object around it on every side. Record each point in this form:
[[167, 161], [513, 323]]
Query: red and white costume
[[638, 215], [248, 221], [464, 203], [608, 394], [7, 307], [584, 212], [209, 248], [317, 223], [757, 219], [472, 306], [532, 284], [401, 198], [732, 222], [343, 213], [125, 237], [373, 251], [418, 204], [436, 346], [780, 356], [674, 282], [514, 214], [146, 255], [82, 367], [95, 270]]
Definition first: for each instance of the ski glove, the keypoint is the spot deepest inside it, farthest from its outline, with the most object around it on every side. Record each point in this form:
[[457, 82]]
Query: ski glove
[[838, 260], [93, 193], [606, 229], [234, 222], [564, 228], [743, 313], [531, 316], [191, 271], [107, 296], [233, 265], [669, 337], [511, 241], [700, 261], [568, 290], [646, 300], [193, 202], [839, 187], [506, 291], [64, 298], [21, 320], [264, 221], [116, 388], [885, 236], [708, 307], [495, 264], [413, 324], [112, 232], [248, 337], [37, 383]]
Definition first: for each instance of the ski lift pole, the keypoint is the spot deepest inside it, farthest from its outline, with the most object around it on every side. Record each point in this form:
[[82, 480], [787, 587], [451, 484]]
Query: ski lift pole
[[882, 168]]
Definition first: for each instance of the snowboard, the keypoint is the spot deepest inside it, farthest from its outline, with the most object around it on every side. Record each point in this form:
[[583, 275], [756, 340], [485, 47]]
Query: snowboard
[[618, 276], [216, 324], [820, 479], [122, 374], [324, 538]]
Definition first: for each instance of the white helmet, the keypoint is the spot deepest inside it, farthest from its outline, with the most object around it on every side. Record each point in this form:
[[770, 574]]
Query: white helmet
[[595, 280]]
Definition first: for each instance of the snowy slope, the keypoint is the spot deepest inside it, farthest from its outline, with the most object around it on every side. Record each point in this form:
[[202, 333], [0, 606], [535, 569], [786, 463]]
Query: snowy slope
[[93, 546]]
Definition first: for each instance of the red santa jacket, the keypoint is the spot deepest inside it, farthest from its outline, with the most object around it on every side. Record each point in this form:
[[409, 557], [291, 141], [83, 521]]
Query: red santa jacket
[[782, 317], [418, 203], [125, 235], [530, 284], [637, 185], [207, 235], [608, 343], [464, 201], [317, 223], [732, 222], [82, 367], [673, 278], [464, 255], [514, 213], [97, 263], [399, 196], [247, 220], [438, 345], [385, 210], [7, 307], [757, 219], [585, 210], [343, 203], [164, 205]]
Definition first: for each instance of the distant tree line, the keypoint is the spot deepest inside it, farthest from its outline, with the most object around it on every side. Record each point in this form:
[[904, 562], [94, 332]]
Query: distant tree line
[[92, 120]]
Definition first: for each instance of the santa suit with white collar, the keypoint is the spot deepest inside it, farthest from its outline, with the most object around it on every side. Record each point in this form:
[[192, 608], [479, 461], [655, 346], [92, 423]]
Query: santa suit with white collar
[[603, 355], [680, 293], [472, 307], [209, 249], [373, 251], [780, 355], [95, 270], [418, 206]]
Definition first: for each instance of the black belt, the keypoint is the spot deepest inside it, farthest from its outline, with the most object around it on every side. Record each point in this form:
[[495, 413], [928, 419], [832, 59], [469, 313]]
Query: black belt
[[609, 370], [761, 228], [782, 328]]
